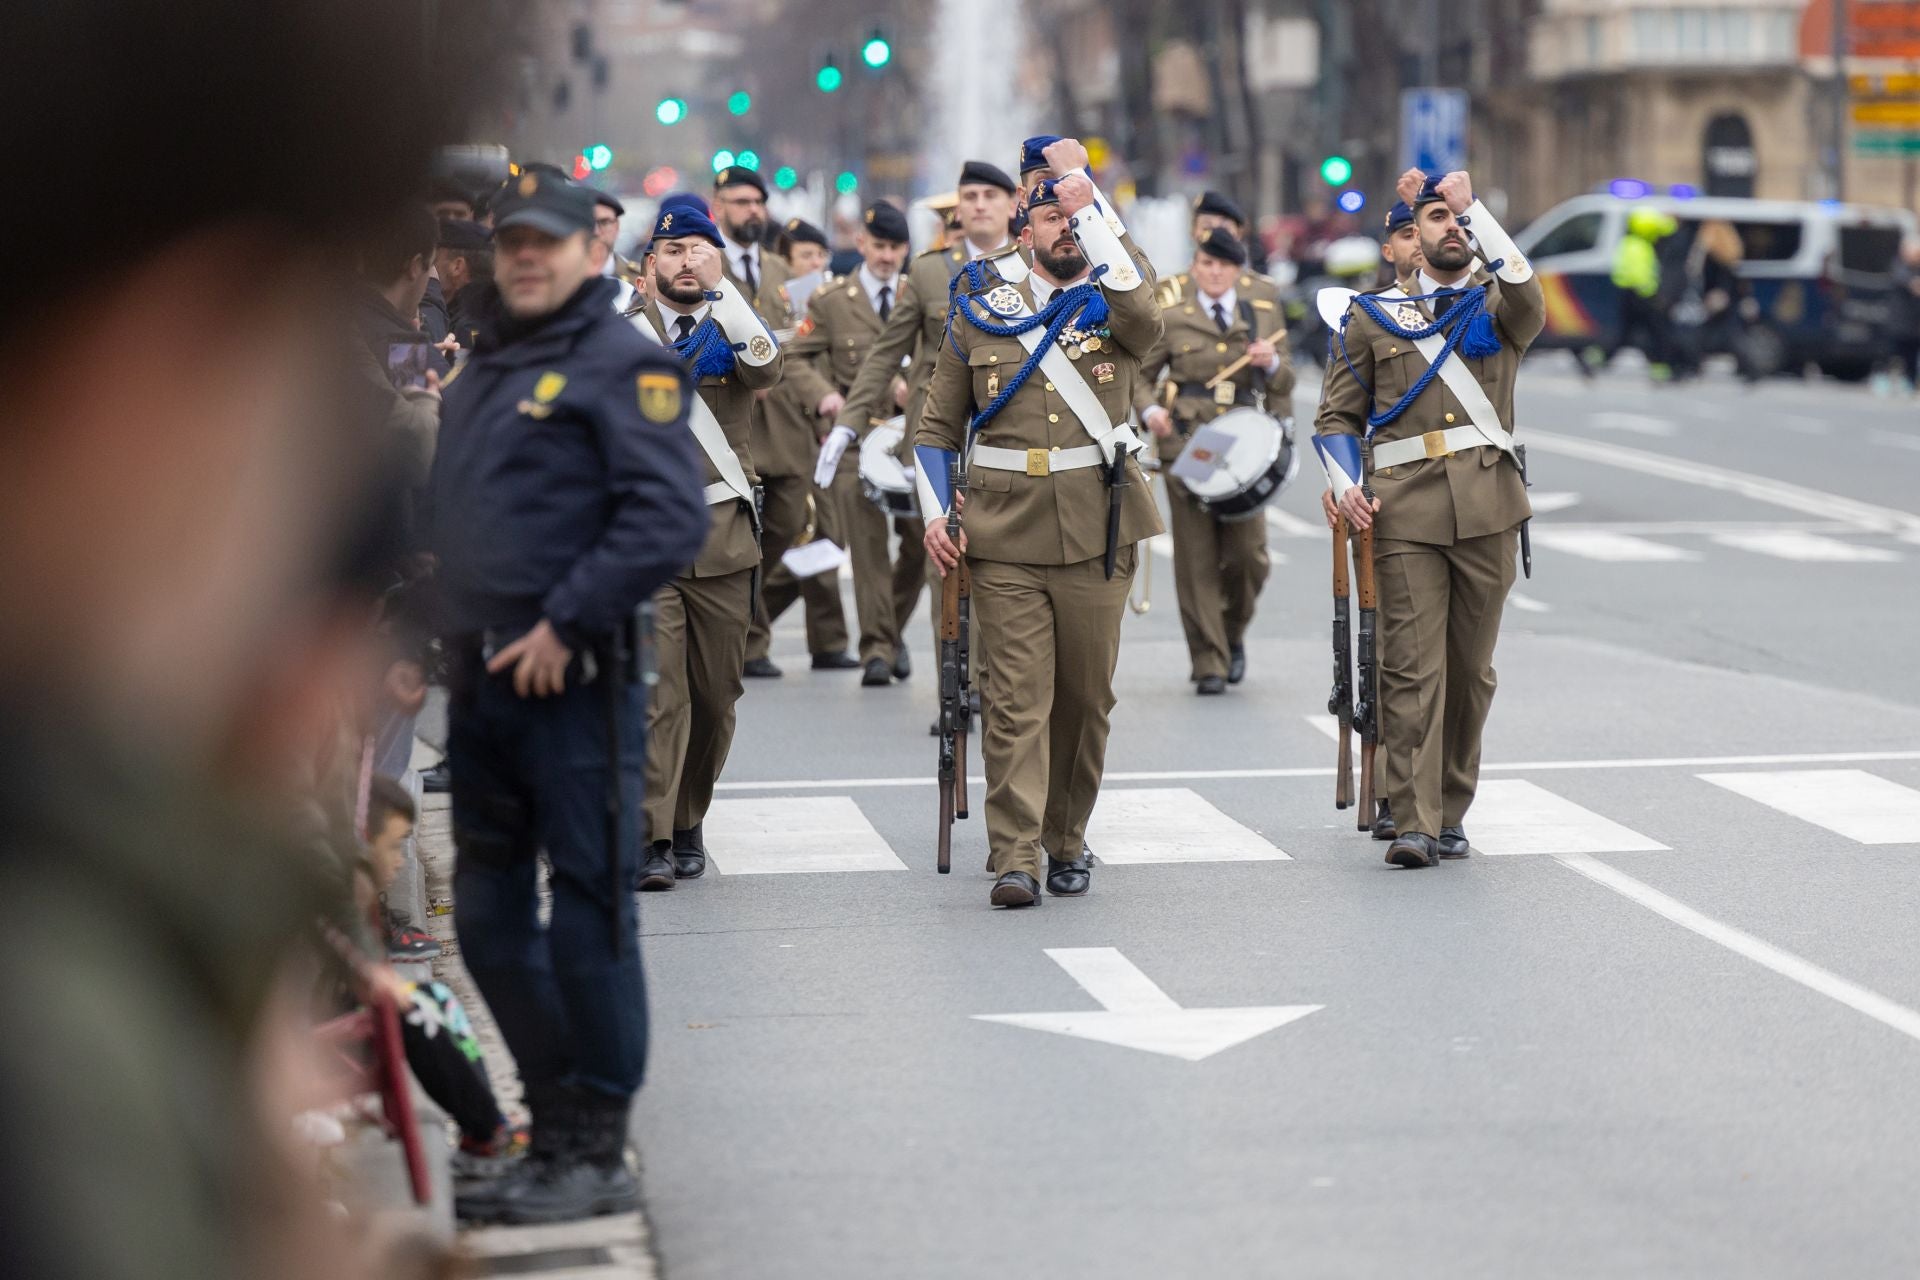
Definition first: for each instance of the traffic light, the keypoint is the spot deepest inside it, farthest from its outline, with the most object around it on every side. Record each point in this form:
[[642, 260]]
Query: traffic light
[[748, 160], [785, 178], [670, 111], [1335, 170], [721, 159], [847, 183], [1352, 201], [740, 103], [876, 52], [827, 79], [599, 156], [581, 168]]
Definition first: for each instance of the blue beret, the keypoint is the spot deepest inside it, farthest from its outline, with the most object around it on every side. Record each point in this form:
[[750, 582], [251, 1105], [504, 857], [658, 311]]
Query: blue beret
[[1398, 216], [1030, 152], [686, 200], [1429, 192], [1044, 192], [678, 221]]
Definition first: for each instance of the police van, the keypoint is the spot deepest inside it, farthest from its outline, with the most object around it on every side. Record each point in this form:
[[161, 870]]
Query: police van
[[1821, 274]]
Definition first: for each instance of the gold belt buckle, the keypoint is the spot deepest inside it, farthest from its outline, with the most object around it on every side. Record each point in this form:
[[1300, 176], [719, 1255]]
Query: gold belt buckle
[[1436, 442], [1038, 463], [1223, 394]]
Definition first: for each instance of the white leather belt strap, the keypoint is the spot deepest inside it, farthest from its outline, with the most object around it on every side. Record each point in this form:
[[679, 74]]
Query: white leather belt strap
[[1434, 444], [1037, 462], [713, 440], [1484, 427]]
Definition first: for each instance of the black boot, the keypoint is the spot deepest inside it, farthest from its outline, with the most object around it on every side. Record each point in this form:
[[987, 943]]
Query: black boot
[[1383, 828], [579, 1173], [689, 853], [656, 870]]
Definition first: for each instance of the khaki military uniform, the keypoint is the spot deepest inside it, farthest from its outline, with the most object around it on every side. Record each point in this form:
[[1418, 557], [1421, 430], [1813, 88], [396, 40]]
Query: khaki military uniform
[[1444, 540], [1035, 541], [701, 617], [837, 338], [1219, 566]]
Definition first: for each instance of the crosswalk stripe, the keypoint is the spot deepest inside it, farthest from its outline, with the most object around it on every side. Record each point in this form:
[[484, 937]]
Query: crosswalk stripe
[[1513, 816], [1292, 526], [1788, 544], [1853, 803], [772, 835], [1604, 544], [1170, 824]]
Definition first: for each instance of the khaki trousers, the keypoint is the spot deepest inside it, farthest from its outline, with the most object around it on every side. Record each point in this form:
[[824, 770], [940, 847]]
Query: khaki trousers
[[1053, 633], [1439, 618], [1219, 567], [782, 523], [885, 589], [700, 645]]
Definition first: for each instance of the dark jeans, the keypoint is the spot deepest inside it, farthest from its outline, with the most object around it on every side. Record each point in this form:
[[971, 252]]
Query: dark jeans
[[529, 775]]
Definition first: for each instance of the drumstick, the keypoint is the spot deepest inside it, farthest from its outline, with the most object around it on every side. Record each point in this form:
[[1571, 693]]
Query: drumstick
[[1242, 362]]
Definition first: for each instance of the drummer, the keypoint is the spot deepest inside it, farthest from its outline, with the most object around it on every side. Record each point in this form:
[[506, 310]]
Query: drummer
[[1219, 566], [844, 320]]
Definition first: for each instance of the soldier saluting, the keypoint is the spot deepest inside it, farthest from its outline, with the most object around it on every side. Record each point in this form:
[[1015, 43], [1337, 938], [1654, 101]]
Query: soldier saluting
[[1033, 387], [1415, 427]]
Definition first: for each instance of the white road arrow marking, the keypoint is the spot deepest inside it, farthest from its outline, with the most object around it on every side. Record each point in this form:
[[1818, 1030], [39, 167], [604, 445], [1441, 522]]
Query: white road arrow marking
[[1550, 501], [1136, 1014]]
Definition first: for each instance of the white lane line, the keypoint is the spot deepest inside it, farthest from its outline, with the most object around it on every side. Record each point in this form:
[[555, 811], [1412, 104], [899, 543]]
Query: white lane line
[[1227, 775], [1850, 802], [1131, 826], [1682, 528], [1327, 726], [1605, 544], [1894, 439], [1787, 544], [1779, 493], [1527, 604], [1289, 525], [1638, 423], [768, 836], [1513, 816], [1549, 502], [1785, 963]]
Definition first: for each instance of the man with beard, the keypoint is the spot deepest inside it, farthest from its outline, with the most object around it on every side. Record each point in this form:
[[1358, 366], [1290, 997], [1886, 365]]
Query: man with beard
[[1425, 380], [1053, 507], [566, 492], [701, 617], [464, 263]]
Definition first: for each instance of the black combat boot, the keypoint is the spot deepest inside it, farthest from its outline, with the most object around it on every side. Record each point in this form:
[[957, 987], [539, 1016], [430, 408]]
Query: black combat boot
[[580, 1173], [689, 853], [656, 869]]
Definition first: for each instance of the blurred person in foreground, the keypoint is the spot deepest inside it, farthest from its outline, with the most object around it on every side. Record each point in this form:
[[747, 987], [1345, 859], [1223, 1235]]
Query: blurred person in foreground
[[565, 492], [182, 457]]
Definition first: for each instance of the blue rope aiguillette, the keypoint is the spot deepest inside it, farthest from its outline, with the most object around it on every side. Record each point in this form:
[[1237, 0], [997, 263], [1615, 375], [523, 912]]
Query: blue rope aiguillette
[[1082, 306], [707, 351], [1466, 327]]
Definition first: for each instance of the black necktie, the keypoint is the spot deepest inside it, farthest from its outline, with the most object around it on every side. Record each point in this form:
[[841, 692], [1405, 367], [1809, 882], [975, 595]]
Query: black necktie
[[886, 301], [1220, 317], [685, 326], [746, 275], [1443, 302]]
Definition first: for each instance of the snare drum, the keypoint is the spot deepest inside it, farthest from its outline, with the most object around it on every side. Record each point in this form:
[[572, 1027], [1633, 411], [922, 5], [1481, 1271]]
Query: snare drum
[[1253, 471], [887, 482]]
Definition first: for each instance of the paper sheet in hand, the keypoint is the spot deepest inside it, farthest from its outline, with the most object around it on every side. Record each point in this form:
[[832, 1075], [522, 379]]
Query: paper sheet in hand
[[816, 557], [1205, 454], [800, 289]]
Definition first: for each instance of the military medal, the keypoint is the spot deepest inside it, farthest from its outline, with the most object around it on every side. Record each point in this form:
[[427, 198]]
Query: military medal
[[1074, 352], [1092, 344], [1409, 316], [1005, 300]]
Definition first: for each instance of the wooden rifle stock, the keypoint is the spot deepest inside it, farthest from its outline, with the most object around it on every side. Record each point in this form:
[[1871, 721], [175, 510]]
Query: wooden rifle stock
[[1340, 703], [1366, 709]]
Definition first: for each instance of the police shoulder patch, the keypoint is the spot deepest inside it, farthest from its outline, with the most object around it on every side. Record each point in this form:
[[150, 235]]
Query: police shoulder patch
[[550, 385], [660, 396]]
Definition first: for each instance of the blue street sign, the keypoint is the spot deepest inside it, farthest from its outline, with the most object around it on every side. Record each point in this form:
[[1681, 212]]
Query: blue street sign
[[1433, 130]]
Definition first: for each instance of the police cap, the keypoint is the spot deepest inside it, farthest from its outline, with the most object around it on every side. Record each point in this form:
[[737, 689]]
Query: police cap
[[557, 206]]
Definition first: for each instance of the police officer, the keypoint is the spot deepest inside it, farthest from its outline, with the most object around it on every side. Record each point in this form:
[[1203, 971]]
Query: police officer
[[567, 490], [1219, 566], [843, 321], [702, 615], [1050, 552], [1447, 496]]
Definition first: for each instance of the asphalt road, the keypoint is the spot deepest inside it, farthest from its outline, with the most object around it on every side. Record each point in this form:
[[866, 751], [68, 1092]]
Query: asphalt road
[[1664, 1025]]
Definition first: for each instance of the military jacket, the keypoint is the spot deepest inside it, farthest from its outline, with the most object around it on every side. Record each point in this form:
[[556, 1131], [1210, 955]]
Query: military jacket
[[1193, 350], [1059, 518], [782, 427], [837, 338], [912, 333], [1435, 500]]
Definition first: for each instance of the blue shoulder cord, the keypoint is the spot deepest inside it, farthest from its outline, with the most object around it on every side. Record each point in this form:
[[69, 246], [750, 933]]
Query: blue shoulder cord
[[1083, 304], [1466, 327], [707, 351]]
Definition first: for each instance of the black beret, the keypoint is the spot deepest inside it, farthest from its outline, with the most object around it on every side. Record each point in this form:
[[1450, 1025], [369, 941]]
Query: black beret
[[980, 171], [884, 222], [463, 236], [607, 198], [1224, 245], [800, 231], [738, 176], [1215, 203]]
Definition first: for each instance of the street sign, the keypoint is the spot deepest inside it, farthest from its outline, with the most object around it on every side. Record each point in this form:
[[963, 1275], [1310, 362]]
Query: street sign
[[1433, 130], [1887, 113], [1887, 144]]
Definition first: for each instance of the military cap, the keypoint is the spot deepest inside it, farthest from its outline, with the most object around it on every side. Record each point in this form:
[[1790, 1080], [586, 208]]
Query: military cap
[[607, 198], [679, 221], [800, 231], [1045, 191], [979, 171], [1429, 192], [1224, 245], [738, 176], [1032, 152], [1215, 203], [685, 200], [462, 236], [557, 206], [884, 222], [1398, 216]]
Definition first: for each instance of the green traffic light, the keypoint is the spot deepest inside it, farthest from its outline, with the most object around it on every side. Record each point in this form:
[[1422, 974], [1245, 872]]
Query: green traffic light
[[828, 78], [599, 155], [785, 178], [847, 183], [748, 160], [877, 53], [721, 159], [740, 103], [1335, 170], [670, 111]]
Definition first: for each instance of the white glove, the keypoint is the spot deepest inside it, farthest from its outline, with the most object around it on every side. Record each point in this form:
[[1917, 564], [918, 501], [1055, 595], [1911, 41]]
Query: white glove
[[831, 450]]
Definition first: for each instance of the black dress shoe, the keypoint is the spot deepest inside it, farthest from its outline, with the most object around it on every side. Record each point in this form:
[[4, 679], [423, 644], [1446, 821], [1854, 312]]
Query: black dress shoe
[[1069, 879], [1383, 823], [877, 674], [1453, 842], [1412, 850], [689, 854], [1210, 686], [438, 780], [762, 669], [902, 663], [1236, 663], [841, 661], [1014, 889], [656, 871]]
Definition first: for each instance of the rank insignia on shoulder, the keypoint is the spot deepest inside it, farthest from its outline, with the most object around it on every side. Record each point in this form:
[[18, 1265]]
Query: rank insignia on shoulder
[[761, 347], [1005, 300], [659, 397], [550, 385], [1261, 304]]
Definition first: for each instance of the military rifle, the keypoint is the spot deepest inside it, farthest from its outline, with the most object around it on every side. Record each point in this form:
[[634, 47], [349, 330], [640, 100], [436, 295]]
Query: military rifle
[[956, 709], [1366, 706], [1340, 704]]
